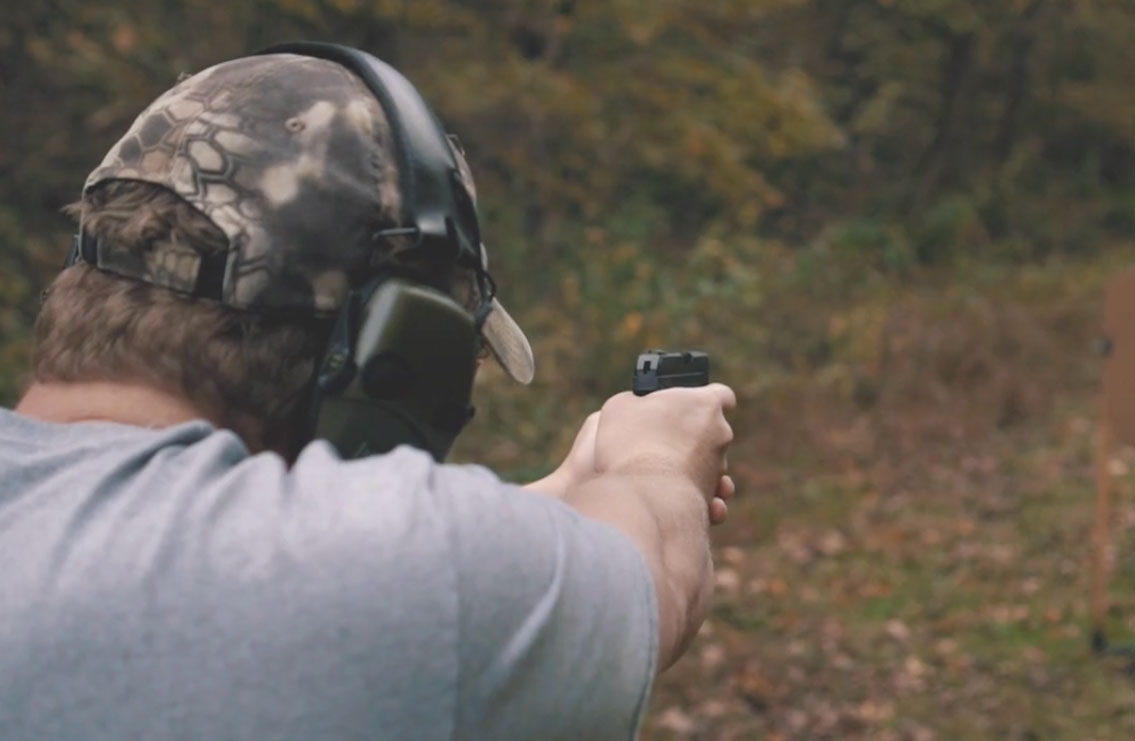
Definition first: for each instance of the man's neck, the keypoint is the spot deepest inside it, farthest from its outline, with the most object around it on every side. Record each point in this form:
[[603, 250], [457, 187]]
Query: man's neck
[[130, 404], [139, 405]]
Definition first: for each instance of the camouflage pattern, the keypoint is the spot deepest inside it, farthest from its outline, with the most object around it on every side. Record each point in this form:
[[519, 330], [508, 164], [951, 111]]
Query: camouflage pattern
[[290, 157]]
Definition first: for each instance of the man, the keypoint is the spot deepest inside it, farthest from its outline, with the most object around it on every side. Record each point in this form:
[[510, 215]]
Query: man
[[179, 563]]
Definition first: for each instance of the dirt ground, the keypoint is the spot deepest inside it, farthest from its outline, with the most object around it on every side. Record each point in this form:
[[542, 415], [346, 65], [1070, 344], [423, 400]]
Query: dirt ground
[[915, 563]]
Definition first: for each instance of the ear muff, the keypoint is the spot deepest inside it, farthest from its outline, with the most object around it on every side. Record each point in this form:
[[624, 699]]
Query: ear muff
[[400, 362], [398, 370]]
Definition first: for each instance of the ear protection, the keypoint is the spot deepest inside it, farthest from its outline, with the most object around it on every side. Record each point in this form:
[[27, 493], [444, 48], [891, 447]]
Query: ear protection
[[399, 366], [398, 370]]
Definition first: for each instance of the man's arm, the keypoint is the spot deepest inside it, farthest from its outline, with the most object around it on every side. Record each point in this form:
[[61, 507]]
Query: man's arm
[[568, 608], [558, 616], [660, 455], [666, 518]]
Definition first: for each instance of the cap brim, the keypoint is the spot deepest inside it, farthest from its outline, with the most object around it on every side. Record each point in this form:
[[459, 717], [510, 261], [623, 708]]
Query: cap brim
[[508, 344]]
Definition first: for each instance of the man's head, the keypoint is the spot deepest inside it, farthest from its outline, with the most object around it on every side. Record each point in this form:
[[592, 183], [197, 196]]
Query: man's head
[[231, 221]]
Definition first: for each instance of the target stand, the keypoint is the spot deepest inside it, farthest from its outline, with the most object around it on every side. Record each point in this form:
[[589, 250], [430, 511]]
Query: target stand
[[1116, 429]]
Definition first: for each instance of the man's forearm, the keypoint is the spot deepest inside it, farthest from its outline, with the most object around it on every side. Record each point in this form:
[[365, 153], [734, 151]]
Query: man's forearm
[[665, 516], [551, 485]]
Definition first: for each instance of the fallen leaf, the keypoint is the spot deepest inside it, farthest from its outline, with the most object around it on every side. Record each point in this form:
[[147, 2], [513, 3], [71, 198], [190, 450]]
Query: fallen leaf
[[733, 555], [677, 720], [727, 580], [898, 630], [712, 656], [832, 543], [778, 587], [713, 709]]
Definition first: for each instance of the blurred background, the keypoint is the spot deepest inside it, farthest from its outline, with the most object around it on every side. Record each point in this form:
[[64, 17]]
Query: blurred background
[[888, 221]]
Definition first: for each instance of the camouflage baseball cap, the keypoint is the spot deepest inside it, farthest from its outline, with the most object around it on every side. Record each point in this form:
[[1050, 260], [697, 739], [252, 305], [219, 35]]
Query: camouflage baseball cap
[[289, 156]]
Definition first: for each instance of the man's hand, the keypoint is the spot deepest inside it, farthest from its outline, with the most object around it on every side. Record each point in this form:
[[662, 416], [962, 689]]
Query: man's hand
[[679, 439], [660, 478], [579, 466], [681, 430]]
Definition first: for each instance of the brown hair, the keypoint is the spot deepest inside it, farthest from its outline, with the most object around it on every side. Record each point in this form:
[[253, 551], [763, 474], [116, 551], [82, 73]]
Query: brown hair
[[231, 364]]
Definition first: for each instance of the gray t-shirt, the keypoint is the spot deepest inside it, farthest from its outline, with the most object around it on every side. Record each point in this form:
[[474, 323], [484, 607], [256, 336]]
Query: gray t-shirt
[[164, 584]]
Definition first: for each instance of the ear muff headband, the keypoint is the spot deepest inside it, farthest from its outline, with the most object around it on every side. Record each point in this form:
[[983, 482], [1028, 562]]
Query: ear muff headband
[[437, 209]]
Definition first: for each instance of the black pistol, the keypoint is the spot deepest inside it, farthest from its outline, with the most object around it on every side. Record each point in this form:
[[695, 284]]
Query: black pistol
[[659, 369]]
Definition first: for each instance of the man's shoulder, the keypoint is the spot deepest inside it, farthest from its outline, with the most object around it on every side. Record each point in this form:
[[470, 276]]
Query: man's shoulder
[[178, 519]]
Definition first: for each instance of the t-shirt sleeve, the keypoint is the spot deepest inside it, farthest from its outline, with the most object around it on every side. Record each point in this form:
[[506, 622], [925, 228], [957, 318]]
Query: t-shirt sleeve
[[557, 616]]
